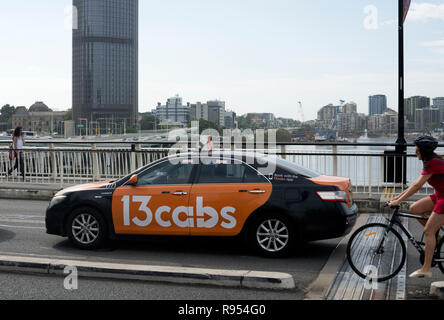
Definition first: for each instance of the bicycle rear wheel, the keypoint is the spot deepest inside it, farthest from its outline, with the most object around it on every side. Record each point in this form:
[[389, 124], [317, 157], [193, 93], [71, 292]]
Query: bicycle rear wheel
[[439, 254], [376, 251]]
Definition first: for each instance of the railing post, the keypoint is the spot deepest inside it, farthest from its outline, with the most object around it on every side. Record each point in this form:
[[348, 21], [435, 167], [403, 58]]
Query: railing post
[[53, 162], [283, 152], [95, 160], [139, 156], [370, 177], [62, 169], [335, 159], [133, 158]]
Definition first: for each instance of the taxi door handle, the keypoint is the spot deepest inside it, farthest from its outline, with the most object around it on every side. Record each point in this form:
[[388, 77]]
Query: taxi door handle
[[257, 191], [180, 193]]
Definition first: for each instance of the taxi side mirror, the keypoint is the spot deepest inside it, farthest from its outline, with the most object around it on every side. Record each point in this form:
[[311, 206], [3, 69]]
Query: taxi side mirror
[[133, 180]]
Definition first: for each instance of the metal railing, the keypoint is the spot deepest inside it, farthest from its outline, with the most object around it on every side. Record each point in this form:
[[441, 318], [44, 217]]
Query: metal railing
[[82, 162]]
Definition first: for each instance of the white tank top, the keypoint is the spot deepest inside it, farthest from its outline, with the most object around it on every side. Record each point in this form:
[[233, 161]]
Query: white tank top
[[19, 143]]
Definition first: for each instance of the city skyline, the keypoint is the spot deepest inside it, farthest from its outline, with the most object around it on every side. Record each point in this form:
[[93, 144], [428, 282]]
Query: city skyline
[[185, 49]]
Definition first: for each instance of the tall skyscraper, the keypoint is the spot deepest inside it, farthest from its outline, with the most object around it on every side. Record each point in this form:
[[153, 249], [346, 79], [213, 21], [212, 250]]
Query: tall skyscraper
[[414, 103], [377, 104], [105, 61]]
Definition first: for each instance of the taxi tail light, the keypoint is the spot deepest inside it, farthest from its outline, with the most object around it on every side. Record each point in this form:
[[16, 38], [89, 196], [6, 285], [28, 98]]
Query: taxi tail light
[[336, 196]]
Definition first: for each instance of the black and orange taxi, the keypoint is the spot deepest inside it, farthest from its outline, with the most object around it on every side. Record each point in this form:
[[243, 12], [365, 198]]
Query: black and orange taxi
[[274, 203]]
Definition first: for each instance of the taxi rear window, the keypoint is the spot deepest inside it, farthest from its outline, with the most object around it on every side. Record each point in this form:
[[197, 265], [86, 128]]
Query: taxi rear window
[[291, 166]]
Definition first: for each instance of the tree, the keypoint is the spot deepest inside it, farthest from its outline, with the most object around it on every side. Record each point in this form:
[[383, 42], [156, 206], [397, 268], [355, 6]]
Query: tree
[[149, 122], [68, 115], [6, 113], [432, 126], [204, 125], [283, 135]]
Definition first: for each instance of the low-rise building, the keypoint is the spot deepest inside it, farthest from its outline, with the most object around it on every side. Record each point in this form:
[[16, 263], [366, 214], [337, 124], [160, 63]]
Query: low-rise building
[[261, 119], [384, 124], [173, 111], [39, 118], [427, 118]]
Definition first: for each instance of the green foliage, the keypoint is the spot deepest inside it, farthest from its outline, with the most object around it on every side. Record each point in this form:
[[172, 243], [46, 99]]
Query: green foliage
[[149, 122], [204, 125], [432, 126], [68, 115], [131, 130], [6, 113], [283, 135]]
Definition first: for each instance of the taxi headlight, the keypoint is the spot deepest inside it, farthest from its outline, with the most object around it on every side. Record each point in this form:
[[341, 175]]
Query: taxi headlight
[[57, 200]]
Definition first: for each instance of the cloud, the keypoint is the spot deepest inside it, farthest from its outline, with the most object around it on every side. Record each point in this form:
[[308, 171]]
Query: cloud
[[426, 11], [437, 43]]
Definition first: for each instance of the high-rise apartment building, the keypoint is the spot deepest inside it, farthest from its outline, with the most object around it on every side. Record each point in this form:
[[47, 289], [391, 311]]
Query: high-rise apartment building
[[105, 61], [413, 103], [426, 118], [173, 111], [439, 104], [377, 104], [350, 107]]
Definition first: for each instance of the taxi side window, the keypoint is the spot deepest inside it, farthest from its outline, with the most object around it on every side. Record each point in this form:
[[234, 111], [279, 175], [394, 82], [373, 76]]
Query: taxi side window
[[224, 172], [166, 173], [253, 176]]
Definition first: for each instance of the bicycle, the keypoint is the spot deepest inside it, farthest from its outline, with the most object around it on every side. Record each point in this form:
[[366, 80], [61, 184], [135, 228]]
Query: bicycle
[[378, 251]]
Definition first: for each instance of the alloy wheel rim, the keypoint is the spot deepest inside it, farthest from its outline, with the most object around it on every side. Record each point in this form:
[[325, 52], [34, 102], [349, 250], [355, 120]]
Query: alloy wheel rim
[[272, 235], [85, 228]]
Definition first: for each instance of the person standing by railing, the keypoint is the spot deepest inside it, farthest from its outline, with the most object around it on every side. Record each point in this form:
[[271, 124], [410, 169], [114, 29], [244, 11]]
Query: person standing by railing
[[433, 173], [18, 142]]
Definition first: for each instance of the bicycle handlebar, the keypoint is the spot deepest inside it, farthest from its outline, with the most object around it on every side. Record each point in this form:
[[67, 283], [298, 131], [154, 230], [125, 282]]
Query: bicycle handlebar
[[387, 204]]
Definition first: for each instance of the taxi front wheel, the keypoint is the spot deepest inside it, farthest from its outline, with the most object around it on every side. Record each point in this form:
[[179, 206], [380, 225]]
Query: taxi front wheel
[[272, 235], [86, 229]]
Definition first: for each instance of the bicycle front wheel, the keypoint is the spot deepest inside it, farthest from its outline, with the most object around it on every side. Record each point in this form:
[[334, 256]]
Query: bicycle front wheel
[[376, 251]]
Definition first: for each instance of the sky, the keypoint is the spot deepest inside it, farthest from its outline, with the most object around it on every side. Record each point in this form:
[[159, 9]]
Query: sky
[[256, 55]]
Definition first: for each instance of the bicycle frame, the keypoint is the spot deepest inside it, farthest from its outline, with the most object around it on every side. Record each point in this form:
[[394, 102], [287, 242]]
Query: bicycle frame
[[395, 220]]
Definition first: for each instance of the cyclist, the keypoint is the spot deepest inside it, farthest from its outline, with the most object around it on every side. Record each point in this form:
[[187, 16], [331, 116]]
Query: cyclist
[[433, 173]]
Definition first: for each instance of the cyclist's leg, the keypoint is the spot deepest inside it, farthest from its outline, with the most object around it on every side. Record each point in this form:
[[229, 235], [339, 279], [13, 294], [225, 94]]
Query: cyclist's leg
[[422, 208], [435, 222]]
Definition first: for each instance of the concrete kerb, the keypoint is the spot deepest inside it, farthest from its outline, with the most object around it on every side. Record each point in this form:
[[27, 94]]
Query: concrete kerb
[[215, 277], [28, 192], [437, 290]]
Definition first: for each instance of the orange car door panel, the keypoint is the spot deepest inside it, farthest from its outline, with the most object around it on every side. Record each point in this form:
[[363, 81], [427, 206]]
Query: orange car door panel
[[222, 209], [152, 210]]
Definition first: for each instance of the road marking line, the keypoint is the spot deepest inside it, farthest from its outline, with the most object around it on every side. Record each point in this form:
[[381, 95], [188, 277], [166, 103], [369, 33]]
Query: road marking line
[[22, 221], [47, 256], [20, 227]]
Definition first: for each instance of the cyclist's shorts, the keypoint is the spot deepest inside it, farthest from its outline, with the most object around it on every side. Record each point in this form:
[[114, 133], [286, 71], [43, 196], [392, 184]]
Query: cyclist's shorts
[[439, 204]]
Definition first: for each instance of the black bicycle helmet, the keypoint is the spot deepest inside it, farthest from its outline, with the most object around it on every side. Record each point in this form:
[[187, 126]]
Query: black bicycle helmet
[[426, 142]]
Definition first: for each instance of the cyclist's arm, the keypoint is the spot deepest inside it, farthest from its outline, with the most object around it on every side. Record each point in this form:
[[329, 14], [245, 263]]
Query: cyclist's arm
[[400, 195], [415, 187]]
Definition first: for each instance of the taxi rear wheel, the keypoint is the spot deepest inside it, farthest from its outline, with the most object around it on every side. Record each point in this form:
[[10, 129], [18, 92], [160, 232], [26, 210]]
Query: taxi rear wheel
[[86, 229], [272, 235]]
